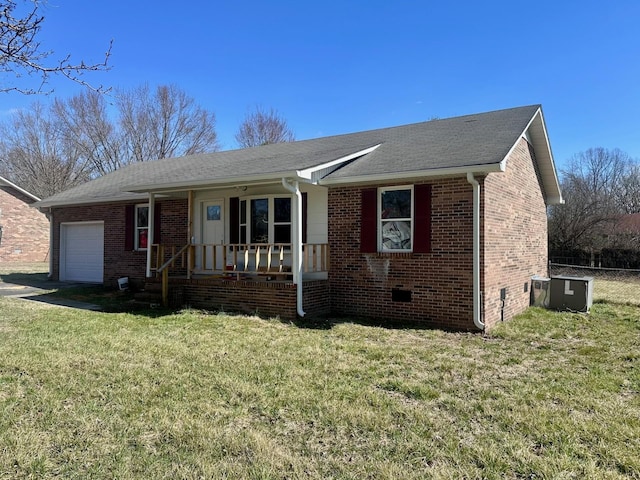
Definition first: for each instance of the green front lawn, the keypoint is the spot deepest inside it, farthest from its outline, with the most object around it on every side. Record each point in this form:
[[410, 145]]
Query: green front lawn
[[191, 395]]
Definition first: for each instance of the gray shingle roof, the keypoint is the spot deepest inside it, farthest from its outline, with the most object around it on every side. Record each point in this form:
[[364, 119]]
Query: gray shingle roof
[[460, 142], [471, 140]]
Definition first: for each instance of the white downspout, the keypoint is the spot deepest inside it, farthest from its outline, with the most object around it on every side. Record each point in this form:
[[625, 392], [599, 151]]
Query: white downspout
[[296, 248], [152, 214], [477, 317]]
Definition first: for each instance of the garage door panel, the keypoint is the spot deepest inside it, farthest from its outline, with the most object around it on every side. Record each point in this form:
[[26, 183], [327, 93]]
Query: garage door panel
[[82, 258]]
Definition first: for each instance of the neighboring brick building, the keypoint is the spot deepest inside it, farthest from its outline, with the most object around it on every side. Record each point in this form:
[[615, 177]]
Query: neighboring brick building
[[24, 231], [441, 223]]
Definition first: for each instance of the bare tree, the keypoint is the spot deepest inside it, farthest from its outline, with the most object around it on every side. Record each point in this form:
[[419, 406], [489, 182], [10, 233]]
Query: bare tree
[[628, 193], [167, 123], [262, 128], [49, 149], [21, 52], [592, 187], [35, 155], [85, 124]]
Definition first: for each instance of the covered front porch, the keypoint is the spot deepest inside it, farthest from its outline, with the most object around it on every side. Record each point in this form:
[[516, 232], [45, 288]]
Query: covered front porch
[[246, 247], [241, 277]]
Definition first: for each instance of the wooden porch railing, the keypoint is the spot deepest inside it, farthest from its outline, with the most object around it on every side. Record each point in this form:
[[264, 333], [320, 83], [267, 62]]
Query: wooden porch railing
[[164, 270], [256, 259]]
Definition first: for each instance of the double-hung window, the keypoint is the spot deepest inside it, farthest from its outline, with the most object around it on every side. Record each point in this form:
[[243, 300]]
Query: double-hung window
[[396, 218], [265, 220], [141, 227]]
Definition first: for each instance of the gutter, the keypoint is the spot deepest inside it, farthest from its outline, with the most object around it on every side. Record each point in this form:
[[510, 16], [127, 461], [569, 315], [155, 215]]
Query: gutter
[[477, 307], [4, 181], [413, 174], [206, 183], [296, 249]]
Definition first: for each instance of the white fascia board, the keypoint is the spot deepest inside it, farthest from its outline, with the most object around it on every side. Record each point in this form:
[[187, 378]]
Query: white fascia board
[[4, 181], [524, 135], [308, 172], [87, 201], [536, 134], [275, 177], [552, 174], [437, 172]]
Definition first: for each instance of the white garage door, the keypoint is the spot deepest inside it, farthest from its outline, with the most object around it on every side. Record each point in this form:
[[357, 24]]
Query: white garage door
[[82, 252]]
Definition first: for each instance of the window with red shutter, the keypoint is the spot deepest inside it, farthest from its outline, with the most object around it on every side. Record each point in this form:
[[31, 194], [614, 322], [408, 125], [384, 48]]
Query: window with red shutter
[[396, 219]]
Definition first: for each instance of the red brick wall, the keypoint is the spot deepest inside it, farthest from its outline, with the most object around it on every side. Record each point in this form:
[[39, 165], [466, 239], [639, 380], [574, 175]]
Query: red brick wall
[[315, 298], [440, 282], [267, 299], [514, 235], [119, 262], [25, 230]]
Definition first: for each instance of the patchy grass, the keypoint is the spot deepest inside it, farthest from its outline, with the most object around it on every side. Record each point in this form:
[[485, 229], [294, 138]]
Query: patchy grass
[[618, 291], [192, 395]]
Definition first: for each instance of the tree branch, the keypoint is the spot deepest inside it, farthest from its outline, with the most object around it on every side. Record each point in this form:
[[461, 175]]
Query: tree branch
[[20, 53]]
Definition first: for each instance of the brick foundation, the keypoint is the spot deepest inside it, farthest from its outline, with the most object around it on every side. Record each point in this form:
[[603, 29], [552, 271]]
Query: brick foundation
[[315, 298], [266, 299], [262, 298]]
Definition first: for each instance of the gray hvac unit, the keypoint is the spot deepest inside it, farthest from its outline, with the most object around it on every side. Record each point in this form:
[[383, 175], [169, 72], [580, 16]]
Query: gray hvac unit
[[540, 291], [571, 293]]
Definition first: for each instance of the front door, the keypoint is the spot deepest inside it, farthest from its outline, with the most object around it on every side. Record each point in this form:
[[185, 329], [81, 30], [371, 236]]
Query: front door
[[212, 235]]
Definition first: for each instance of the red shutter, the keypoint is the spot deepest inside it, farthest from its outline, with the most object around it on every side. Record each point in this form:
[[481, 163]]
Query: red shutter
[[157, 216], [129, 211], [234, 220], [369, 221], [422, 219], [304, 217]]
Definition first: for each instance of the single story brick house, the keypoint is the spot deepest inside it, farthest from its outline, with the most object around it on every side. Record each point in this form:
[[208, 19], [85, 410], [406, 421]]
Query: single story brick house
[[24, 231], [442, 222]]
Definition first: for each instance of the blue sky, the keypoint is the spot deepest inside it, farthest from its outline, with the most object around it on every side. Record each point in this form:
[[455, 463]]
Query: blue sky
[[335, 67]]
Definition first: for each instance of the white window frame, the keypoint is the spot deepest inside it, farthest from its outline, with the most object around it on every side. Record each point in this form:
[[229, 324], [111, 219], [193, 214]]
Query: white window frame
[[137, 228], [383, 221], [270, 219]]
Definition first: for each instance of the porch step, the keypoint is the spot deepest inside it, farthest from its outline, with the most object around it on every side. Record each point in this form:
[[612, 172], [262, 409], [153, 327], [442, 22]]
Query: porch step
[[152, 295]]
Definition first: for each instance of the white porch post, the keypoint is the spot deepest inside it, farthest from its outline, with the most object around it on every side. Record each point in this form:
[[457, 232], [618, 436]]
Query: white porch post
[[152, 209]]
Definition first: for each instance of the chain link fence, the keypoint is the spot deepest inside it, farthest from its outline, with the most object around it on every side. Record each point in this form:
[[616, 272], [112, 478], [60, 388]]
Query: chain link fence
[[609, 284]]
